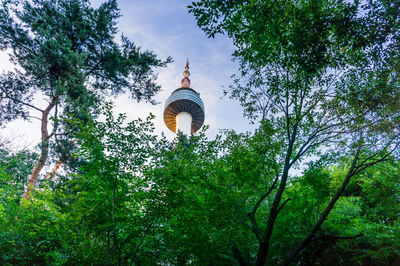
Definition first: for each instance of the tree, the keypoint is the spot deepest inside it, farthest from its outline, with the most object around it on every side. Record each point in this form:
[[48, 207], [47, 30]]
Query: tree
[[65, 51], [323, 73], [202, 190], [100, 215], [368, 214], [28, 234], [18, 165], [109, 198], [183, 183]]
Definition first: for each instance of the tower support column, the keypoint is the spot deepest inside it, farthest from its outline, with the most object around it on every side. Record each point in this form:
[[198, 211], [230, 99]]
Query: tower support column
[[184, 123]]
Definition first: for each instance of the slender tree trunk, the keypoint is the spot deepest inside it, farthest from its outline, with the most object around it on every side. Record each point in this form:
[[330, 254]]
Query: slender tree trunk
[[44, 150], [140, 243], [264, 243]]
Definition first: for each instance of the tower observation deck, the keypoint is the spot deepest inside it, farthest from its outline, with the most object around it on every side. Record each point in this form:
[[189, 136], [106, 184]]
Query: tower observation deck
[[184, 109]]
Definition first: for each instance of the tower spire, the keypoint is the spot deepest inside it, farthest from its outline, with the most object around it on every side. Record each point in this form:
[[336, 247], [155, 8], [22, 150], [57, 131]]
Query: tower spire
[[185, 83]]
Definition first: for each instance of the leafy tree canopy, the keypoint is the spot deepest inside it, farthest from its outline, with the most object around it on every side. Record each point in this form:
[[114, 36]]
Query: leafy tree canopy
[[324, 74], [66, 51]]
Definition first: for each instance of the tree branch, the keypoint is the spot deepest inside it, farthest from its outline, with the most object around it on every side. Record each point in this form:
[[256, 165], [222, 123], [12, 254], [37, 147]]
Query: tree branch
[[359, 169], [283, 204], [293, 254], [24, 103], [263, 197], [44, 151], [273, 214], [140, 243], [252, 214]]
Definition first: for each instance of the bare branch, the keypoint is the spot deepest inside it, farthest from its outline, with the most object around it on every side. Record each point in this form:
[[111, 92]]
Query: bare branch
[[34, 117], [362, 167], [24, 103]]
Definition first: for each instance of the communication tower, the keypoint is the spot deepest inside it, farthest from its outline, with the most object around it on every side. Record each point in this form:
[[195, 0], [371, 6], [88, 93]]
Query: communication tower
[[184, 109]]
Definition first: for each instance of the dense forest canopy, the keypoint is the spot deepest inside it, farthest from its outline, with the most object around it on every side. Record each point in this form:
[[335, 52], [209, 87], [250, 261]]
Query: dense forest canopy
[[318, 181]]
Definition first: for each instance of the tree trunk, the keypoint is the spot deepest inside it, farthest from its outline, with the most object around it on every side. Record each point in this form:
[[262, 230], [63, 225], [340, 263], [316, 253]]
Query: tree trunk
[[140, 243], [52, 174], [264, 243], [44, 150]]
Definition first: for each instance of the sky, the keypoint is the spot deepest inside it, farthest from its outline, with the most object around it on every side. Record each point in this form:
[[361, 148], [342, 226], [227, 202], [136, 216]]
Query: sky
[[166, 28]]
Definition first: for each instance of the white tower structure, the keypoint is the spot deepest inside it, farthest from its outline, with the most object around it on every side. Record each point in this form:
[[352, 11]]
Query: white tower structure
[[184, 109]]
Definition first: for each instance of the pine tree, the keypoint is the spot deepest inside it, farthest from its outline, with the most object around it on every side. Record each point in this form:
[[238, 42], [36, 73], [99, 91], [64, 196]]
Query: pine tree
[[66, 51]]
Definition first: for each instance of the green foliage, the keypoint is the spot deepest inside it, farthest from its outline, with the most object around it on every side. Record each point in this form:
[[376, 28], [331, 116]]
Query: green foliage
[[100, 215], [324, 75], [34, 233], [207, 189], [17, 165], [360, 213], [66, 52], [245, 199], [109, 194], [143, 200], [67, 49]]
